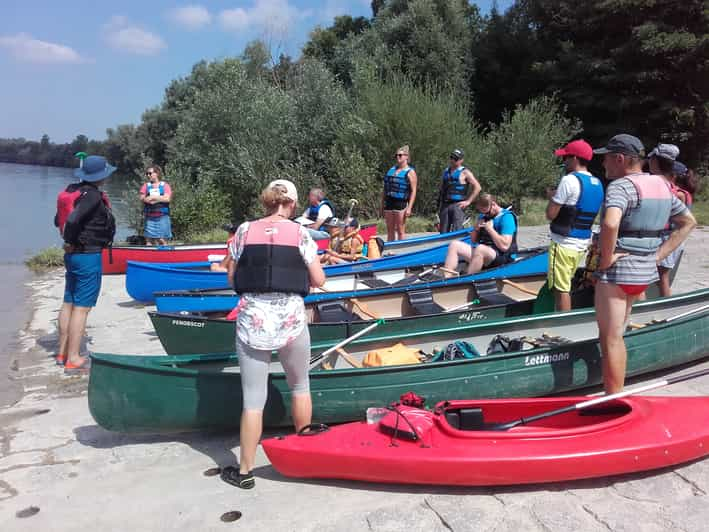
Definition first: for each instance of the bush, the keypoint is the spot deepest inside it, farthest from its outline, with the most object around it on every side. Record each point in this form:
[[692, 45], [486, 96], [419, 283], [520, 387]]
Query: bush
[[516, 158], [46, 259]]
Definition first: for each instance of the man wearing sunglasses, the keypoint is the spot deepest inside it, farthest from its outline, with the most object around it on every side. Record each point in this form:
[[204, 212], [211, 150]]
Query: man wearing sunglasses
[[455, 182], [635, 212], [572, 208]]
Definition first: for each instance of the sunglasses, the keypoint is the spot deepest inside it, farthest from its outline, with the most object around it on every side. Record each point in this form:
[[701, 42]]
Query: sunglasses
[[150, 172], [401, 155]]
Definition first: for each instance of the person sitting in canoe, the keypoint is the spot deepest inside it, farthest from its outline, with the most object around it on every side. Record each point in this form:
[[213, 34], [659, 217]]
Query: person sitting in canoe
[[346, 243], [319, 212], [223, 265], [496, 234]]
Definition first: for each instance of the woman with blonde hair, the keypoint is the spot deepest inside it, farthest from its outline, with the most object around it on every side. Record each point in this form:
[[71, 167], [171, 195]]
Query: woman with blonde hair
[[399, 195], [274, 264]]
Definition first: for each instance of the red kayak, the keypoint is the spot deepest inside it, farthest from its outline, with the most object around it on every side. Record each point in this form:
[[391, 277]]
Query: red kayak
[[453, 445], [116, 261]]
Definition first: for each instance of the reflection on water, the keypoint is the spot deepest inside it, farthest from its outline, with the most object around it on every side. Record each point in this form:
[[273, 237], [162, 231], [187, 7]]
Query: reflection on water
[[29, 195]]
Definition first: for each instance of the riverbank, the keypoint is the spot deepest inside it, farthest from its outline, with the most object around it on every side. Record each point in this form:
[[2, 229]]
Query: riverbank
[[55, 458]]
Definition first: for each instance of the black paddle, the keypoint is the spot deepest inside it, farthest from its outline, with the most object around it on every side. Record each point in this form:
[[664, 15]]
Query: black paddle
[[591, 402]]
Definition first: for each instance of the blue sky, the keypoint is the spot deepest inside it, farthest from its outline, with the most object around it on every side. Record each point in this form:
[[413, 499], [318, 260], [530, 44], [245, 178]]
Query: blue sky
[[80, 66]]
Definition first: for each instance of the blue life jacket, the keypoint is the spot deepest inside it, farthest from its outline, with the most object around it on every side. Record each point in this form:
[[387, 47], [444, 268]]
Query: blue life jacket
[[313, 211], [396, 183], [576, 220], [453, 190], [485, 238], [156, 209]]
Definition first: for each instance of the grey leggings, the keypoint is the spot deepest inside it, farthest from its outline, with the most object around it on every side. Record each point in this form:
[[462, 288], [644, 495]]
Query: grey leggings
[[254, 363]]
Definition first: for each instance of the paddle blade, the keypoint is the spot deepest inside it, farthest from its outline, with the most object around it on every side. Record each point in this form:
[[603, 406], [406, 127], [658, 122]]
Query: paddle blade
[[545, 300]]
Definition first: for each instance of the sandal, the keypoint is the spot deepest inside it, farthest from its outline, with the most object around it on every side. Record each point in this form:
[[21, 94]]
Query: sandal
[[78, 369], [60, 360], [231, 475]]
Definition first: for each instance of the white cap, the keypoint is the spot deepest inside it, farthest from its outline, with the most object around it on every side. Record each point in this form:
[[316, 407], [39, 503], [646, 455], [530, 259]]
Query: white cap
[[291, 191]]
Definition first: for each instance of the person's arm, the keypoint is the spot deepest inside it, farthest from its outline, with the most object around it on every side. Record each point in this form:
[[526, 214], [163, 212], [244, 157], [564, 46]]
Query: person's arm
[[474, 189], [608, 237], [167, 194], [553, 209], [684, 222], [501, 241], [413, 182], [85, 206]]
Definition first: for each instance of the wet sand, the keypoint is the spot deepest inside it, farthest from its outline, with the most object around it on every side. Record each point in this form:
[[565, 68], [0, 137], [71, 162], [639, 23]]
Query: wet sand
[[14, 315]]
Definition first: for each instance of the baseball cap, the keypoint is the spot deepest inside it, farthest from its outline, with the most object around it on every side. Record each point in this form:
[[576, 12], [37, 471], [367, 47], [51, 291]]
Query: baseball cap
[[333, 222], [579, 148], [665, 151], [291, 191], [625, 144], [679, 169], [457, 154]]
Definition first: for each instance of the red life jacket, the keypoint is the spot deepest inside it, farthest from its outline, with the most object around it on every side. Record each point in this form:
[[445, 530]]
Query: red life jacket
[[66, 201], [687, 196]]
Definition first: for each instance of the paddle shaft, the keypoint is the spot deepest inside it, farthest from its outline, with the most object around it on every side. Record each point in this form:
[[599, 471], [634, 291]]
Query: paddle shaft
[[598, 400], [346, 341]]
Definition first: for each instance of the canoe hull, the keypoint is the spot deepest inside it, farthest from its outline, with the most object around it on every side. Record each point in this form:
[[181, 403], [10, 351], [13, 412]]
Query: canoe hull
[[165, 394], [653, 433], [205, 301], [116, 261]]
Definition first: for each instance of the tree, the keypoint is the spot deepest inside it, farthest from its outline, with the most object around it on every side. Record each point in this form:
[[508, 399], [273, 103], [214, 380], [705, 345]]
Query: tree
[[635, 65]]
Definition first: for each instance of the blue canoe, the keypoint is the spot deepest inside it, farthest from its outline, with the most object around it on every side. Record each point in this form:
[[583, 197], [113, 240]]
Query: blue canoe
[[143, 279], [531, 262]]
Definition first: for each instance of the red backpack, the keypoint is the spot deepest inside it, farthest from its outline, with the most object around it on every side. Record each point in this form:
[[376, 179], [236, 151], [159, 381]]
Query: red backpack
[[66, 202]]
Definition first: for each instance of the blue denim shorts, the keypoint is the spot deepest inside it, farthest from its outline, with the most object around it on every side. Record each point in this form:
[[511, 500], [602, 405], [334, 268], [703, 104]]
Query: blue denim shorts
[[83, 278]]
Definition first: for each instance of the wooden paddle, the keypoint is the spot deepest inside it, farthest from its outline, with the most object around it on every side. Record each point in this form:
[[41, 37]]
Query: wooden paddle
[[316, 359], [592, 402], [520, 287]]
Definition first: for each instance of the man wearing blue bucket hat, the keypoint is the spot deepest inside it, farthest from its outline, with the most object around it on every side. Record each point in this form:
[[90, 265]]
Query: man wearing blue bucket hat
[[86, 223]]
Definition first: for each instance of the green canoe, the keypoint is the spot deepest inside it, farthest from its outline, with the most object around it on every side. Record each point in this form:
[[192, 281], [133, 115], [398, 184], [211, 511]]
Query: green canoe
[[166, 394], [332, 321]]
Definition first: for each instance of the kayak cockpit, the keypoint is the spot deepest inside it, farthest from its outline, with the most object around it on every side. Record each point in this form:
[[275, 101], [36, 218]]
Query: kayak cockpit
[[480, 419]]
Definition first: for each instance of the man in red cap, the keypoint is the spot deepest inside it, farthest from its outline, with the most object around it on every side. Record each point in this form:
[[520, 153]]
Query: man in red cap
[[572, 207]]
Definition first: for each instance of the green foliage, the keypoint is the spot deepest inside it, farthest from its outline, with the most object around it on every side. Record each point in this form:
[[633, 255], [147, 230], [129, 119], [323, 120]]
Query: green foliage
[[390, 114], [515, 159], [46, 259]]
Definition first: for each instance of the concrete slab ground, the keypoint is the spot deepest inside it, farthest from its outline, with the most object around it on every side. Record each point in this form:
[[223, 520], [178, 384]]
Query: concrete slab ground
[[60, 471]]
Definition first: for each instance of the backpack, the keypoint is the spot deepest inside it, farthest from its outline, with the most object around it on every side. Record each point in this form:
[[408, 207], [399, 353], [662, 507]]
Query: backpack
[[504, 344], [459, 349]]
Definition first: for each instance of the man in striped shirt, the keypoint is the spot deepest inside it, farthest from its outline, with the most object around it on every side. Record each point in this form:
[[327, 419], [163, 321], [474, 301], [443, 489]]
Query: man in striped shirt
[[636, 210]]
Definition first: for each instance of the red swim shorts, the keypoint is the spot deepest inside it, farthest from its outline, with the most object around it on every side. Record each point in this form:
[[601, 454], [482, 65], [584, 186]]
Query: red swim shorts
[[633, 289]]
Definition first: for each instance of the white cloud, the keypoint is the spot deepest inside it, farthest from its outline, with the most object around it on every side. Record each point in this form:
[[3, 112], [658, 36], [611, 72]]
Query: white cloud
[[120, 34], [192, 17], [274, 15], [24, 47]]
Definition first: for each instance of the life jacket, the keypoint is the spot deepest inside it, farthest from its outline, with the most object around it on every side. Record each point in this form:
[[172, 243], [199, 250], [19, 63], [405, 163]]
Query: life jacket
[[452, 189], [351, 242], [313, 211], [396, 183], [687, 195], [155, 210], [271, 260], [485, 238], [642, 227], [99, 230], [576, 220]]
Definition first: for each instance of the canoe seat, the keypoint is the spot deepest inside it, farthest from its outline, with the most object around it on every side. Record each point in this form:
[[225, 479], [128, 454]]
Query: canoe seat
[[335, 312], [370, 280], [422, 302], [465, 418], [489, 294]]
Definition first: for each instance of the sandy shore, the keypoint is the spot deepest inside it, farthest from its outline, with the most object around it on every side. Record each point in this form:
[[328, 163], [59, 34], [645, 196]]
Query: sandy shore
[[55, 458]]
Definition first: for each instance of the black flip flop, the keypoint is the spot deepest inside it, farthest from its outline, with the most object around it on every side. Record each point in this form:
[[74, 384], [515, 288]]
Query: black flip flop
[[231, 475]]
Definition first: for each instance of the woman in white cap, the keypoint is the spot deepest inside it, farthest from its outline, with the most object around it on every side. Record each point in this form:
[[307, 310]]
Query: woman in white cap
[[271, 315]]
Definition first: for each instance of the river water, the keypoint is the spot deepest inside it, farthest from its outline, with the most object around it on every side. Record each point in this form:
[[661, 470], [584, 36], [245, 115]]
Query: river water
[[27, 205]]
